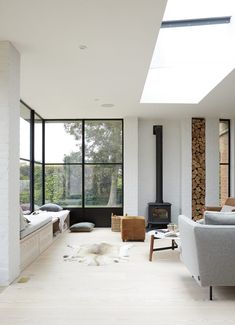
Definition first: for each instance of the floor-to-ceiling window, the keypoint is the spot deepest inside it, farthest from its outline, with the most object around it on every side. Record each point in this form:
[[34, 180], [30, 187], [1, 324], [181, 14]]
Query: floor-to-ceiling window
[[224, 149], [63, 163], [77, 164], [38, 160], [103, 163], [84, 167], [25, 157], [83, 163]]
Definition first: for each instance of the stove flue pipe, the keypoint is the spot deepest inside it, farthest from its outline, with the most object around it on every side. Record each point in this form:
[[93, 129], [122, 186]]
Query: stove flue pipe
[[157, 130]]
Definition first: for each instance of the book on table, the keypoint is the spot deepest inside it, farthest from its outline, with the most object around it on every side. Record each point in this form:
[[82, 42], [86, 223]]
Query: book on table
[[165, 233]]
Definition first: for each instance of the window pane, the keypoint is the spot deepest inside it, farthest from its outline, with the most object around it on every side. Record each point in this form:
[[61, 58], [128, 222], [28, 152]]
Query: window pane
[[103, 186], [63, 185], [37, 138], [37, 185], [103, 141], [24, 132], [25, 185], [63, 142], [224, 183], [224, 141]]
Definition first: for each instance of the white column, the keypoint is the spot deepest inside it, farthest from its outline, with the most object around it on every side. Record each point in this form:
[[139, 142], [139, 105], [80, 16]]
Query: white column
[[131, 165], [9, 163], [212, 161], [186, 167]]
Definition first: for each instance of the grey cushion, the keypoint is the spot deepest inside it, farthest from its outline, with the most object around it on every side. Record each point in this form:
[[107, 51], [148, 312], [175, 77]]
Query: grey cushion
[[227, 208], [51, 207], [82, 227], [219, 218]]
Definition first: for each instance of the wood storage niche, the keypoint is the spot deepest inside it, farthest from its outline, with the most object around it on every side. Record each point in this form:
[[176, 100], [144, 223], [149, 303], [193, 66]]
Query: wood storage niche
[[198, 167]]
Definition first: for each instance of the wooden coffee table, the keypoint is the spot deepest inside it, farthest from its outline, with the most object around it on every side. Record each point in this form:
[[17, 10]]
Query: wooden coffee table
[[158, 237]]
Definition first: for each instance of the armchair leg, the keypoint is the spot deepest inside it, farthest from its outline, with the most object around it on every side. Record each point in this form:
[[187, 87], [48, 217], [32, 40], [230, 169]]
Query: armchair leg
[[210, 289]]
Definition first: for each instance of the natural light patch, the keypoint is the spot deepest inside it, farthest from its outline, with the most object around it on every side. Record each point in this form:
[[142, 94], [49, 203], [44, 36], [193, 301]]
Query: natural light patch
[[190, 9], [188, 62]]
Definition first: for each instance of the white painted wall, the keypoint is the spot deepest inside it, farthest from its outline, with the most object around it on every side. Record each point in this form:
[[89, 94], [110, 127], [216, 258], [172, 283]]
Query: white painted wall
[[9, 163], [186, 167], [171, 164], [131, 166], [212, 161]]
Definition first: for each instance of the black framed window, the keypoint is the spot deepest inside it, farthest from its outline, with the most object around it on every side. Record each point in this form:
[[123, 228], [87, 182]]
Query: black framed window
[[38, 161], [63, 163], [25, 157], [103, 163], [75, 163], [224, 163], [63, 184], [86, 168]]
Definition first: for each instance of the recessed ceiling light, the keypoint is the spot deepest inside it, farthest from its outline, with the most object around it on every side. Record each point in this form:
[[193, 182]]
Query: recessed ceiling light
[[107, 105], [82, 47]]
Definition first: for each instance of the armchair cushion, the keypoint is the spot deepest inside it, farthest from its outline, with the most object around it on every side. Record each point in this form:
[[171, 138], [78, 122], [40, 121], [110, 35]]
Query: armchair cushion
[[227, 208], [219, 218]]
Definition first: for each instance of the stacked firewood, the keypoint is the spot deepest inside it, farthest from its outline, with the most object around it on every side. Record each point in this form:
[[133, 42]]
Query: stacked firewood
[[198, 167]]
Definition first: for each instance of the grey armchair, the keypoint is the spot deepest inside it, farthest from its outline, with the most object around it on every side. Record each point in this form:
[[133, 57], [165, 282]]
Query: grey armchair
[[208, 251]]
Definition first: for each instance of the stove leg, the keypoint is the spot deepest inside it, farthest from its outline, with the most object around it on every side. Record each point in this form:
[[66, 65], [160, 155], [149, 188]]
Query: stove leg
[[210, 292]]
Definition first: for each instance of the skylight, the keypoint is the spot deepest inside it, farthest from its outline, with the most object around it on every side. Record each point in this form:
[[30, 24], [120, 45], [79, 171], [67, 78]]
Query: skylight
[[189, 61]]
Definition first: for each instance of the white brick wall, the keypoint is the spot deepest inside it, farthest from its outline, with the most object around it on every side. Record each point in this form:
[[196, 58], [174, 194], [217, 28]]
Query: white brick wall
[[9, 163]]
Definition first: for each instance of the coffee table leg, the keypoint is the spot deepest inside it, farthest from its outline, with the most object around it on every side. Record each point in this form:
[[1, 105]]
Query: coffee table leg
[[173, 244], [151, 248]]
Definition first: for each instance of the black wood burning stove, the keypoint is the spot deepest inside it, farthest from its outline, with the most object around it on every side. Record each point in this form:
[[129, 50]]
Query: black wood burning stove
[[159, 212]]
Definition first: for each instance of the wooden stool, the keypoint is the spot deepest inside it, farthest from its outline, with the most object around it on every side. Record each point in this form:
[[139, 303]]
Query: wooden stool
[[133, 228]]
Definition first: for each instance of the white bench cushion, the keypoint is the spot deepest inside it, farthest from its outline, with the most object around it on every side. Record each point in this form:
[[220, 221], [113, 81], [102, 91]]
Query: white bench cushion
[[36, 221]]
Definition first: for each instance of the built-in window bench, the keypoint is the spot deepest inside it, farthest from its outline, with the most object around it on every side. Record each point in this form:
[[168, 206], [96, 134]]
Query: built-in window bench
[[38, 235], [35, 238]]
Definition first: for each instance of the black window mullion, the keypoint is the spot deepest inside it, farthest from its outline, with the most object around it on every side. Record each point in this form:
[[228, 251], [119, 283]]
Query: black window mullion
[[83, 164], [229, 158], [64, 164], [122, 163], [43, 161], [32, 160]]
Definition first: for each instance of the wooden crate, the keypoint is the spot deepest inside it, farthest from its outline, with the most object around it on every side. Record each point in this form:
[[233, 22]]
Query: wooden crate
[[115, 223]]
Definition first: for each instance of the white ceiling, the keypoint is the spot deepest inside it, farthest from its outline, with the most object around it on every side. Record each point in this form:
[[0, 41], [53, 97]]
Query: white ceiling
[[59, 80]]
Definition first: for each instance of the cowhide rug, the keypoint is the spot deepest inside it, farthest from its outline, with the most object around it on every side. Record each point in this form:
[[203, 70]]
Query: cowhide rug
[[99, 254]]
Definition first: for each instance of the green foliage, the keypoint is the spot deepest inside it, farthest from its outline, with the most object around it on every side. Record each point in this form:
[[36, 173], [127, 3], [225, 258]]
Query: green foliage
[[103, 144], [54, 184], [103, 183], [24, 182], [103, 141], [38, 184]]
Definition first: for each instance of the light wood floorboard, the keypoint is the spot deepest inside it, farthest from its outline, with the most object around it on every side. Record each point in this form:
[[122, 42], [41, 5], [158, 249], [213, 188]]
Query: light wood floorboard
[[134, 292]]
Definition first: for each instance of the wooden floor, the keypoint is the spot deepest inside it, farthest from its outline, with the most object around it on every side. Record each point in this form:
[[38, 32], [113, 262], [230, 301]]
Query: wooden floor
[[134, 292]]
